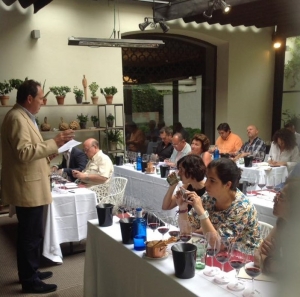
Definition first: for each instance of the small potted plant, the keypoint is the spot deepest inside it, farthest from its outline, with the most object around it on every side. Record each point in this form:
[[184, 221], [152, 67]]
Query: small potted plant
[[60, 93], [95, 121], [45, 95], [114, 137], [5, 88], [15, 83], [109, 93], [78, 95], [94, 88], [82, 120], [110, 120]]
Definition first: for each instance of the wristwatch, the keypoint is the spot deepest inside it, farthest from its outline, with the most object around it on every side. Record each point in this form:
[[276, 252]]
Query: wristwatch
[[204, 216]]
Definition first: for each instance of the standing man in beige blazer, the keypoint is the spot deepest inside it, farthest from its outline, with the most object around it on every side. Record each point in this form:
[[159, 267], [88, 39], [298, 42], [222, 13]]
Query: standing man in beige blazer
[[25, 180]]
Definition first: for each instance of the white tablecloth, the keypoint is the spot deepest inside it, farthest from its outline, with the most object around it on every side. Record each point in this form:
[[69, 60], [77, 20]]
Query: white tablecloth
[[149, 189], [66, 220], [114, 269]]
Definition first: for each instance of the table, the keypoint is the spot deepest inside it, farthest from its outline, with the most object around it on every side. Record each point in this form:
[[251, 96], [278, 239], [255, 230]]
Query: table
[[114, 269], [66, 220], [149, 189]]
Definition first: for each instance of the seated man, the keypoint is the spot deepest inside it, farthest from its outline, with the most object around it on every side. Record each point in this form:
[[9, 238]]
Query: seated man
[[99, 169], [73, 159], [165, 148], [228, 142], [181, 149], [136, 140]]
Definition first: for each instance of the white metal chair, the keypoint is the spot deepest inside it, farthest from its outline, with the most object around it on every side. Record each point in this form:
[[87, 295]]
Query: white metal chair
[[112, 192], [265, 229]]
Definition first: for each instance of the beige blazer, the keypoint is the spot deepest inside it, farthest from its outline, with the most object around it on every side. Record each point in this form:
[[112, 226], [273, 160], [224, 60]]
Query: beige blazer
[[25, 163]]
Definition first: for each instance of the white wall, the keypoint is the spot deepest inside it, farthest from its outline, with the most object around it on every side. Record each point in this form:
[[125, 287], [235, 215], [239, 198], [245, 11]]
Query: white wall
[[245, 55]]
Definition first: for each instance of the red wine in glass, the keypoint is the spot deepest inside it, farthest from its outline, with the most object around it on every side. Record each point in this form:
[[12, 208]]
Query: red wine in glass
[[253, 271], [163, 230], [185, 237], [153, 226], [261, 185], [236, 264], [211, 252], [222, 257], [174, 233]]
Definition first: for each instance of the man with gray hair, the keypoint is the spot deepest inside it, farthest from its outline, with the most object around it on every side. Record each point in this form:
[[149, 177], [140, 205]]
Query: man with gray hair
[[165, 148]]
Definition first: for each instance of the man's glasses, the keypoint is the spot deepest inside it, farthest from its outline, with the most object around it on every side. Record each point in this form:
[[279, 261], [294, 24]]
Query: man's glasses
[[87, 149]]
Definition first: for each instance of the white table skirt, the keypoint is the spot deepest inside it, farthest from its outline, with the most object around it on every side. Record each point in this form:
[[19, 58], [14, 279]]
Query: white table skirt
[[149, 189], [66, 220], [114, 269]]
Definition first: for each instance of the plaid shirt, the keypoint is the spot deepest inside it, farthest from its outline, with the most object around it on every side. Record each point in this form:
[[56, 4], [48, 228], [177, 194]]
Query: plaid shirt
[[258, 145]]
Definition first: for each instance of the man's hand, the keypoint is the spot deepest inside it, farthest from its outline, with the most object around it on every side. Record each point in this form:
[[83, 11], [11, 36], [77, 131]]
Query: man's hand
[[64, 137]]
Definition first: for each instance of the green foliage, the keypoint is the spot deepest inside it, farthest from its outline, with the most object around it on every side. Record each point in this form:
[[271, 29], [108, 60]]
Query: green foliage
[[94, 118], [83, 118], [114, 135], [60, 91], [289, 117], [77, 92], [44, 84], [15, 83], [109, 91], [292, 68], [5, 88], [192, 131], [145, 98], [110, 117], [93, 88]]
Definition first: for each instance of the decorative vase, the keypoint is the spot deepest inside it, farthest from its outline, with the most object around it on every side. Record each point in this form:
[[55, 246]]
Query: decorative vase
[[95, 99], [113, 146], [109, 99], [44, 101], [82, 125], [110, 123], [60, 100], [78, 100], [4, 99]]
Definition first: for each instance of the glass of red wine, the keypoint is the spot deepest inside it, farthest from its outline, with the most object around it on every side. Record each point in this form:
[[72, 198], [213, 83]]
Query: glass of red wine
[[213, 247], [261, 183], [152, 220], [166, 227], [237, 260], [185, 230], [253, 271], [223, 257], [270, 184]]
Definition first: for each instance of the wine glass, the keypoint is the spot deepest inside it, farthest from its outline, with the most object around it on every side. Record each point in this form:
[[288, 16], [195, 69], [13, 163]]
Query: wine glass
[[213, 247], [185, 230], [261, 182], [270, 184], [222, 257], [64, 179], [251, 183], [152, 220], [253, 271], [260, 156], [237, 260], [163, 229]]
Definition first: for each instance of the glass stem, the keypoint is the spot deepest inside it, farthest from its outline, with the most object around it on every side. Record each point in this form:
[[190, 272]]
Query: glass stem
[[252, 284]]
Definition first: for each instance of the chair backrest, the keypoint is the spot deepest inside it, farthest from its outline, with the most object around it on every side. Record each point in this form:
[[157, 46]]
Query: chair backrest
[[265, 229]]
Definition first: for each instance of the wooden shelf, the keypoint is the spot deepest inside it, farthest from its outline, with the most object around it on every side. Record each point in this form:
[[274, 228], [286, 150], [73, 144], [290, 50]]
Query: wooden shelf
[[79, 130]]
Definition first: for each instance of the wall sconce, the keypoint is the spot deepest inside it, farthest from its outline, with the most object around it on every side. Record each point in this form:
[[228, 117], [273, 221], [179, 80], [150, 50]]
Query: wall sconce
[[216, 4], [153, 24], [35, 34], [278, 42]]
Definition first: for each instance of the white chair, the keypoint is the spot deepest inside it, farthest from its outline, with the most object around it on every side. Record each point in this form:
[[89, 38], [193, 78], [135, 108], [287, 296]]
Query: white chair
[[265, 229], [112, 192]]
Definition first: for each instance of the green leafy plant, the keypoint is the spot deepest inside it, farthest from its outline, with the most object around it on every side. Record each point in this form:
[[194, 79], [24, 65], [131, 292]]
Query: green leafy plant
[[15, 83], [94, 118], [5, 88], [115, 135], [289, 117], [83, 118], [93, 88], [60, 91], [109, 91], [292, 67], [44, 84], [77, 92], [110, 117]]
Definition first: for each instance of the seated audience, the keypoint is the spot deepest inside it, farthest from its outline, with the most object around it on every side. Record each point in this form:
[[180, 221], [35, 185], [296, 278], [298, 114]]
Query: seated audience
[[136, 141], [228, 142], [153, 133], [191, 171], [284, 150], [99, 169], [290, 126], [165, 148], [223, 208], [178, 128], [181, 149], [199, 146], [73, 159]]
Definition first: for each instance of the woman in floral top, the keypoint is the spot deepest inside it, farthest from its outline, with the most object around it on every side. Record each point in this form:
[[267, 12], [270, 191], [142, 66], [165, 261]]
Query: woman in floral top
[[223, 207]]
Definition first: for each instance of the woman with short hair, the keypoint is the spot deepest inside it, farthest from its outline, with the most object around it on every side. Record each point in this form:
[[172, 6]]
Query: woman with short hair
[[200, 146]]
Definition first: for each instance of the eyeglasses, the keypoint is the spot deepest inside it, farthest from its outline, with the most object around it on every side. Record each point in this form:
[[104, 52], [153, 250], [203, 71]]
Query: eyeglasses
[[86, 150], [176, 144]]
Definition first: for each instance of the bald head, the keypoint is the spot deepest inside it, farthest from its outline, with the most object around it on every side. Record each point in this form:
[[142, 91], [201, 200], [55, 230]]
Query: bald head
[[252, 132], [91, 147]]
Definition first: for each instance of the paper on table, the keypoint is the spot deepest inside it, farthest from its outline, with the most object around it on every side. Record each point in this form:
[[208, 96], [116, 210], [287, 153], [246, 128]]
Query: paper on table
[[261, 277], [68, 145]]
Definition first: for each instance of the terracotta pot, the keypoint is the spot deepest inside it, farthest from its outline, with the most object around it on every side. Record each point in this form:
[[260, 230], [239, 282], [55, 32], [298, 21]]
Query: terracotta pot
[[95, 99], [78, 100], [4, 99], [60, 100], [109, 99], [44, 101]]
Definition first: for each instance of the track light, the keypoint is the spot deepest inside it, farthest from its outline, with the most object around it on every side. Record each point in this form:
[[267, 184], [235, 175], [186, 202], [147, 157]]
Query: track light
[[216, 4], [224, 6], [164, 26], [153, 24], [277, 40], [208, 13], [144, 25]]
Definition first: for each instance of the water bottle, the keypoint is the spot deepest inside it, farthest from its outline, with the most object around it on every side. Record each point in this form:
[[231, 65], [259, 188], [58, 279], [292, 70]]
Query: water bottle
[[139, 230], [216, 153], [139, 162]]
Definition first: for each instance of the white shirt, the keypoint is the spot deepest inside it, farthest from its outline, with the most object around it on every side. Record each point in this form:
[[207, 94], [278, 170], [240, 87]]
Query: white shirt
[[176, 155]]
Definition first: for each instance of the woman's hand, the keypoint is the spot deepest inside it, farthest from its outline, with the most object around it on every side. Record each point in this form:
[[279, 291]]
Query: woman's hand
[[196, 202], [267, 247], [181, 202]]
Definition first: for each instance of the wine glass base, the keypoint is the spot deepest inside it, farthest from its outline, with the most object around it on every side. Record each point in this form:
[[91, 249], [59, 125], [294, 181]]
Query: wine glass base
[[221, 279], [211, 271], [249, 293], [235, 286]]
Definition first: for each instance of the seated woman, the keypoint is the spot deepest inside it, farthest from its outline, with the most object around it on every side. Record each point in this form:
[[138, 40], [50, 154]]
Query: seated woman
[[223, 208], [269, 253], [199, 146], [191, 171], [284, 150]]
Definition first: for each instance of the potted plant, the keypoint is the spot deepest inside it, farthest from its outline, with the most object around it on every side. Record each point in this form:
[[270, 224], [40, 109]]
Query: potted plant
[[95, 121], [15, 83], [94, 88], [5, 88], [60, 93], [109, 93], [45, 95], [82, 120], [110, 120], [114, 137], [78, 95]]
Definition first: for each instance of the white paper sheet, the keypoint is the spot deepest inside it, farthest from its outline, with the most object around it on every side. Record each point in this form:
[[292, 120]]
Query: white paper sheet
[[68, 145]]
